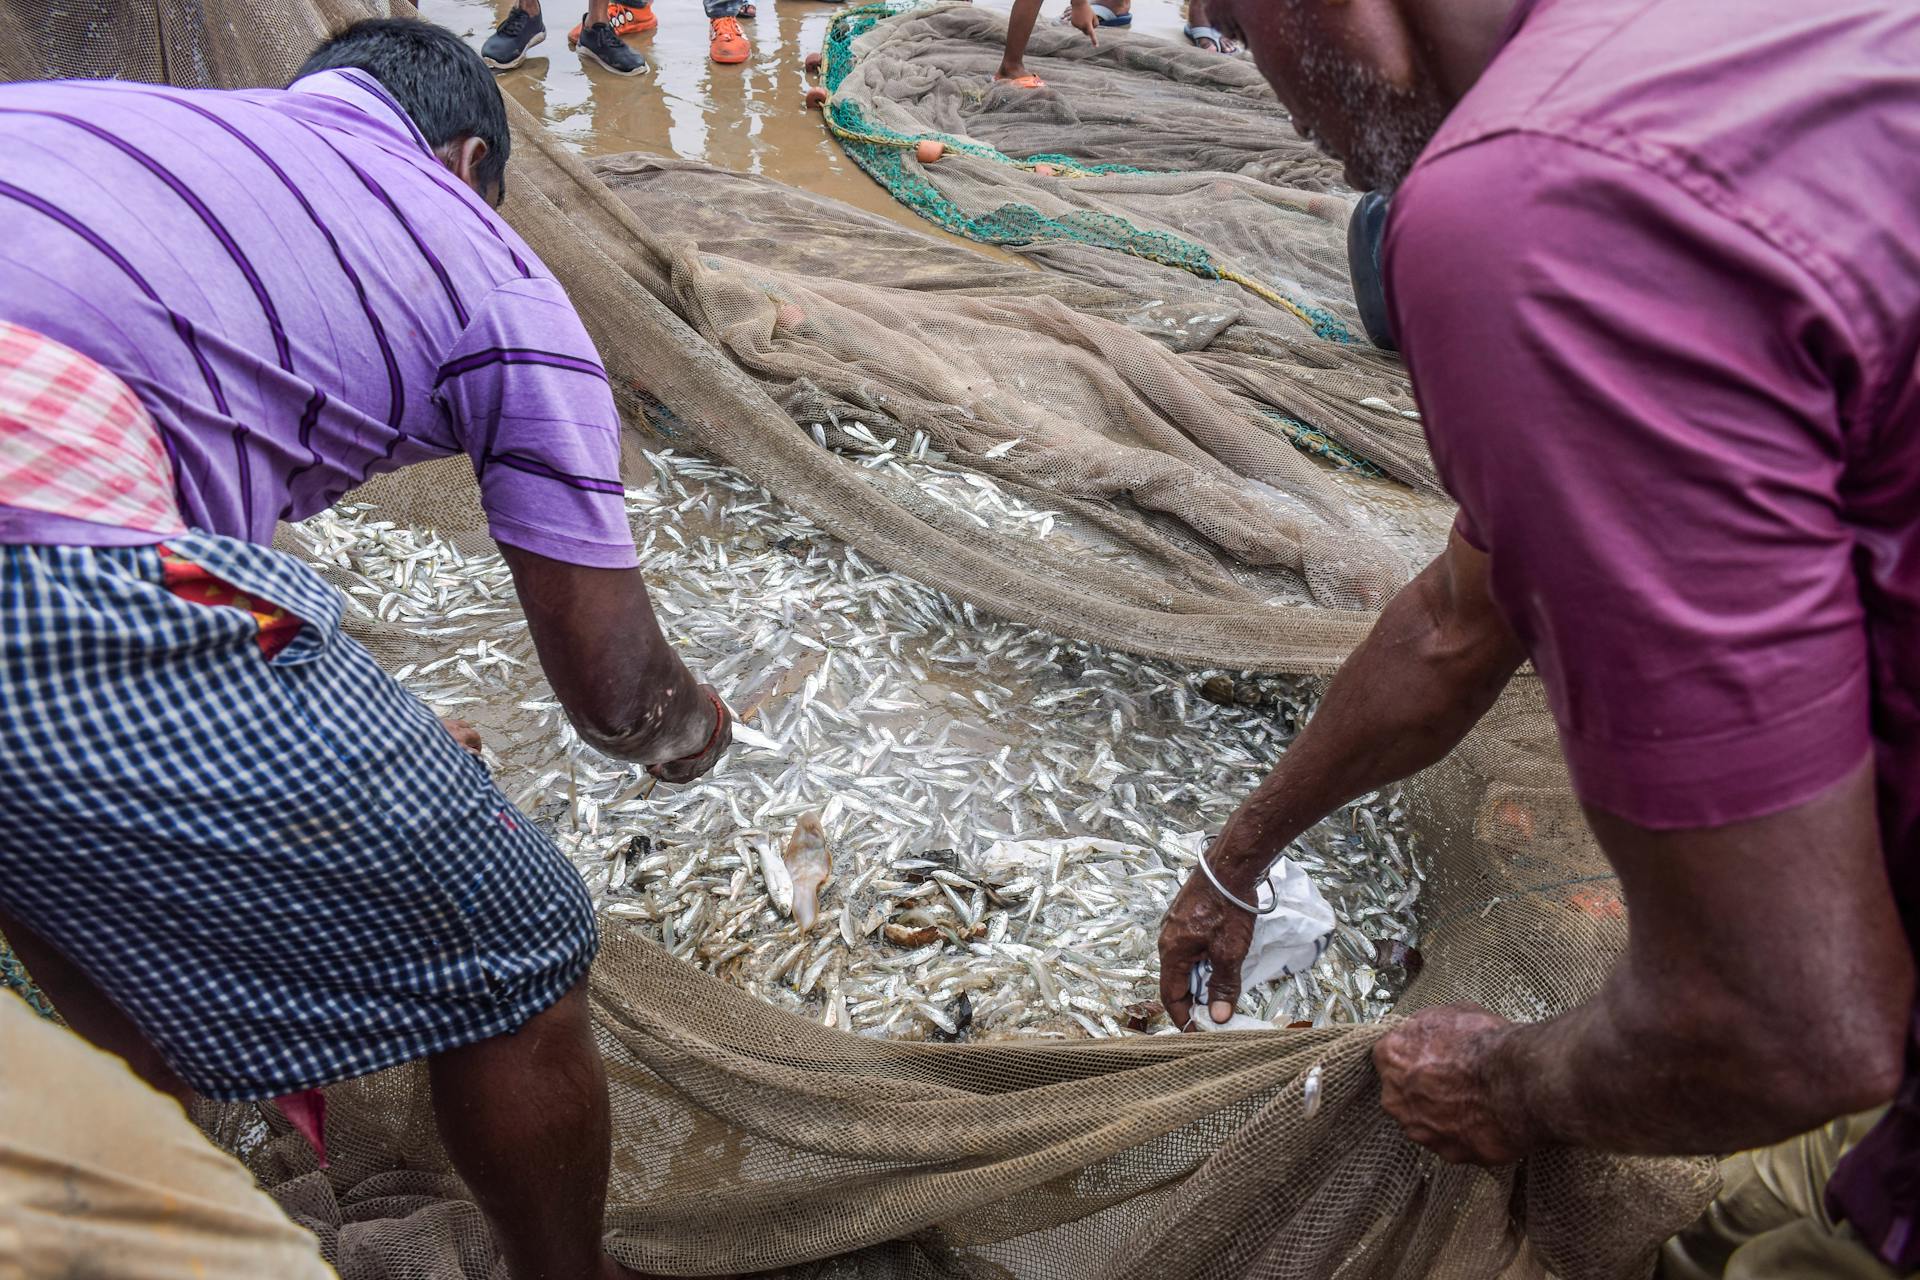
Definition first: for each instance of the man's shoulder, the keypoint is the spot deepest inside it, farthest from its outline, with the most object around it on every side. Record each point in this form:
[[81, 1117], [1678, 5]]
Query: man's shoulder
[[1771, 128], [1791, 120], [1510, 197], [1729, 84]]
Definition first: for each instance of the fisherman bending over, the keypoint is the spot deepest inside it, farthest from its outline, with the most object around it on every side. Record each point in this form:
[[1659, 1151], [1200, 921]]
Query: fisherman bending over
[[233, 845], [1656, 274]]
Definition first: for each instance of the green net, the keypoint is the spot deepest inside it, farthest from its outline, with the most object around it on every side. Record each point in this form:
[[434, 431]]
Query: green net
[[883, 153]]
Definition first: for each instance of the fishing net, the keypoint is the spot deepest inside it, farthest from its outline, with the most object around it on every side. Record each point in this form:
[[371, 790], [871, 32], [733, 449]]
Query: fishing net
[[751, 1139], [1162, 170]]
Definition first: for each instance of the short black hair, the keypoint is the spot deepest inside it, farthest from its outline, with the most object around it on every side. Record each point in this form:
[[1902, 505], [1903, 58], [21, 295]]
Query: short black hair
[[434, 77]]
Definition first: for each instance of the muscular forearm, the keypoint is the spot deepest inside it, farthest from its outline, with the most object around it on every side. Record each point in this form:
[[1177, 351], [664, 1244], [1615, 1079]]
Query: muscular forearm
[[1615, 1075], [1434, 662], [624, 688], [1622, 1073], [1767, 990]]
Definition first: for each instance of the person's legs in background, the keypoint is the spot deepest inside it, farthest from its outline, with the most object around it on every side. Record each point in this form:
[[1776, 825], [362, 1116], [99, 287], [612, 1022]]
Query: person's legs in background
[[625, 19], [525, 26], [729, 42], [522, 28], [1203, 34]]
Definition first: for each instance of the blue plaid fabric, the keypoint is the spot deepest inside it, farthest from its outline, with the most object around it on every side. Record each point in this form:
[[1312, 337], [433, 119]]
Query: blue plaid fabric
[[286, 872]]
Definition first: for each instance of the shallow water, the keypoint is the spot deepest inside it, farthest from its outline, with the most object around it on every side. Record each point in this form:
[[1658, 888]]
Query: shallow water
[[751, 118]]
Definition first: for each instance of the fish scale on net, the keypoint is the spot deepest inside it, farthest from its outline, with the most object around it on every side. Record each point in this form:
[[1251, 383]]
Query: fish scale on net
[[1125, 752]]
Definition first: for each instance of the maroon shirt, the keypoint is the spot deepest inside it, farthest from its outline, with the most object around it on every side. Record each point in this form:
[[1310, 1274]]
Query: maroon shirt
[[1658, 283]]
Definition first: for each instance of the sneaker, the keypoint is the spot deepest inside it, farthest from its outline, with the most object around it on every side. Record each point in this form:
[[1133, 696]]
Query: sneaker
[[729, 44], [507, 48], [609, 50], [626, 20]]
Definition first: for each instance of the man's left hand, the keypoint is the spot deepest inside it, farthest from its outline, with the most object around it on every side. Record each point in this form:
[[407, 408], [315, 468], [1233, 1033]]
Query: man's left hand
[[1434, 1080]]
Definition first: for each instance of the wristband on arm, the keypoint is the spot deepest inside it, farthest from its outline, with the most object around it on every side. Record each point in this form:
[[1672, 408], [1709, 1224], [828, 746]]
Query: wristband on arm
[[721, 717]]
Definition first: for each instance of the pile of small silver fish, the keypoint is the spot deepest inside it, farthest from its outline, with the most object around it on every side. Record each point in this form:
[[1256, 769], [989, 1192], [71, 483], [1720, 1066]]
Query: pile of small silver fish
[[1007, 814]]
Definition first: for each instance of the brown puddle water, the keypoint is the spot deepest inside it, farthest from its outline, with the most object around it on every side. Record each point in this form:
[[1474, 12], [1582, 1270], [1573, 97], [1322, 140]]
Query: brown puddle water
[[751, 118]]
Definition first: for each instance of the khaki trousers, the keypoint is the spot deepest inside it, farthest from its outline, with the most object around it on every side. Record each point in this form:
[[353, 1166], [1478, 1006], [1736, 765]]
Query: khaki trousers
[[101, 1175], [1770, 1222]]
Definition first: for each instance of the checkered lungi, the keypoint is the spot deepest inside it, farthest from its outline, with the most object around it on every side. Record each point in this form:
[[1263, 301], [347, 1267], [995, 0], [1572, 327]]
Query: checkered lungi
[[283, 869]]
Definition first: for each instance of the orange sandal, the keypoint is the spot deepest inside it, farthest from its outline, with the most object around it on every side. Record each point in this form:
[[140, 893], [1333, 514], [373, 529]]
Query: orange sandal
[[625, 19], [729, 43], [1027, 81]]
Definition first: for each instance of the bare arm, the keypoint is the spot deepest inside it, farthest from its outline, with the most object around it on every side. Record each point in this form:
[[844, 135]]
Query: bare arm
[[624, 688], [1766, 989], [1434, 662]]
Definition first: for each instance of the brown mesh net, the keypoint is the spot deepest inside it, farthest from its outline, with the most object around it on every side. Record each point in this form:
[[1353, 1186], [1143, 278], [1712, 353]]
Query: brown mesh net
[[751, 1139], [747, 1138]]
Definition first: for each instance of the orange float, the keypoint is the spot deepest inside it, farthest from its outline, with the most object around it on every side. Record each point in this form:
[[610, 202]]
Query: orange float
[[1597, 903], [814, 60], [929, 150], [816, 97]]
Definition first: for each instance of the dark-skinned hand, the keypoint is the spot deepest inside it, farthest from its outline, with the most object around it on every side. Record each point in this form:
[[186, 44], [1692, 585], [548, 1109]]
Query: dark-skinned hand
[[719, 738], [1434, 1082], [1202, 925]]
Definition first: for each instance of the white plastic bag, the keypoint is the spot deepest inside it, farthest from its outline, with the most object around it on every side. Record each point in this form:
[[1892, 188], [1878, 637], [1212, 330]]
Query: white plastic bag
[[1289, 940]]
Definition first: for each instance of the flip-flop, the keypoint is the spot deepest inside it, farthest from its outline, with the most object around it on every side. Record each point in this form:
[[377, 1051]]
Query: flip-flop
[[1103, 16], [747, 13], [1220, 43], [1027, 81]]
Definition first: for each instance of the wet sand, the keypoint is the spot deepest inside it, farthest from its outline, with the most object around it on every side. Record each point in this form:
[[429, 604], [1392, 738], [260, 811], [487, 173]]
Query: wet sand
[[750, 117]]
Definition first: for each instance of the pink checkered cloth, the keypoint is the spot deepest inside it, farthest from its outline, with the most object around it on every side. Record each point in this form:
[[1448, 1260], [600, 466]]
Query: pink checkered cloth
[[76, 442]]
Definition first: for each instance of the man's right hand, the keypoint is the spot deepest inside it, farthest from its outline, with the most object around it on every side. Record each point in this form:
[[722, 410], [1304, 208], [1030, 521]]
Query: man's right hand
[[1202, 925], [719, 736], [624, 688]]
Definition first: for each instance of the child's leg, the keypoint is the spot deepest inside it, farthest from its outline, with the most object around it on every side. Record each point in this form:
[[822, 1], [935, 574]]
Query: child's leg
[[1013, 64]]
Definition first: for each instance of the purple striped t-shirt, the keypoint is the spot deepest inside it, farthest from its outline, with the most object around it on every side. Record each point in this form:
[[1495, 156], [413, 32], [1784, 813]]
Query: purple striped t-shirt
[[303, 297]]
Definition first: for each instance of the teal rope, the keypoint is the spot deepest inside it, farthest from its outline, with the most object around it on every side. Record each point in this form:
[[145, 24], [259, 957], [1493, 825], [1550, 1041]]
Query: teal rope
[[14, 977]]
